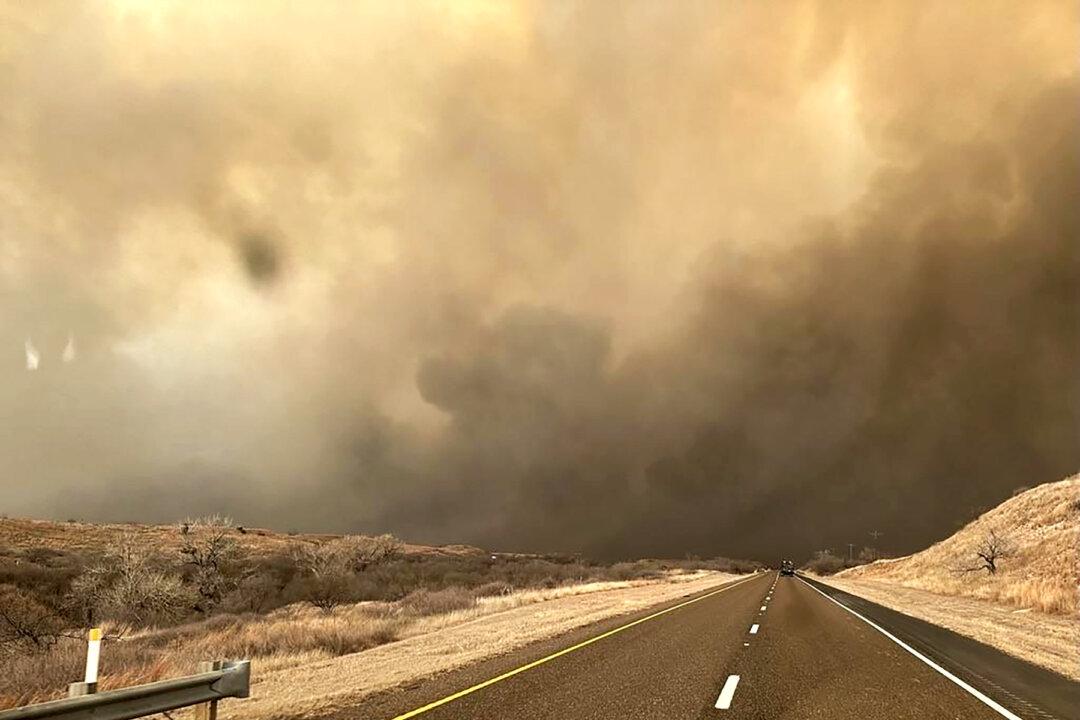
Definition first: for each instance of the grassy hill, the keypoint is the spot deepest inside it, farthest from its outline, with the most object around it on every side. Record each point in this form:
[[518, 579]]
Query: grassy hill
[[72, 536], [1040, 532]]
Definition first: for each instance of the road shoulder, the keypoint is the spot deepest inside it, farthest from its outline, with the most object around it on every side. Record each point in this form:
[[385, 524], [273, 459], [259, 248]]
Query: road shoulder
[[1050, 641], [1027, 689]]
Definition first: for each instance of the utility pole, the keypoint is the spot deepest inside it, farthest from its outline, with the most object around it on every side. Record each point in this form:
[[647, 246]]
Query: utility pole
[[875, 534], [851, 552]]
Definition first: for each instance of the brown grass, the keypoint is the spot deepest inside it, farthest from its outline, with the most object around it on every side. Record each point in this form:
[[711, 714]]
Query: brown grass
[[1043, 526], [45, 676], [437, 602]]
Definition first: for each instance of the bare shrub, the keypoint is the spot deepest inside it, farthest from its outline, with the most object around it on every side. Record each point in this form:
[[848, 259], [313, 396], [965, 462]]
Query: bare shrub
[[642, 569], [426, 602], [351, 553], [26, 625], [257, 592], [731, 565], [365, 551], [209, 551], [330, 567], [825, 563], [326, 591], [127, 586], [494, 589]]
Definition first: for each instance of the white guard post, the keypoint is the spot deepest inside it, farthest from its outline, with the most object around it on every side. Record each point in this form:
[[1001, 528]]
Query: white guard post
[[93, 656]]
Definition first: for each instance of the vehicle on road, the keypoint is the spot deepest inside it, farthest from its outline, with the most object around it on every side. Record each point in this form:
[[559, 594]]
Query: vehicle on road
[[787, 567]]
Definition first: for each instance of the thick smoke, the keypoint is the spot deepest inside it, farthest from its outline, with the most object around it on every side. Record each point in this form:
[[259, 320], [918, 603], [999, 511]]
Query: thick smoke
[[626, 279]]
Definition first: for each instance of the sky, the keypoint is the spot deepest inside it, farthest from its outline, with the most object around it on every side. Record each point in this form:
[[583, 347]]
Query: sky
[[624, 279]]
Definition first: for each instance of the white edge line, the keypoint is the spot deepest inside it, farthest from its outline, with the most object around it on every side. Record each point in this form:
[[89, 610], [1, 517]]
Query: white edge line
[[727, 694], [1004, 712]]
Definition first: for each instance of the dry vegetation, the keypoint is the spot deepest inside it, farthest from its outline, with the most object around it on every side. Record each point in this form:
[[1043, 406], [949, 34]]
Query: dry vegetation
[[169, 597], [1022, 553], [75, 536]]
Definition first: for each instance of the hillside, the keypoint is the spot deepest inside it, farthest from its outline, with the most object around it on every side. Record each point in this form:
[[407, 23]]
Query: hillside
[[1040, 528], [23, 533]]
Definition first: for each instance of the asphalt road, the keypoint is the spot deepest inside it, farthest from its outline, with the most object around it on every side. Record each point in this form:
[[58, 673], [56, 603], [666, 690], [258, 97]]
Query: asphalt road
[[765, 647]]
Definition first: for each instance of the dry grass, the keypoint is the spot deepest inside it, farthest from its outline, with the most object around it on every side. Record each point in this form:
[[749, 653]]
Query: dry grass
[[437, 602], [1043, 526], [45, 676], [1047, 640]]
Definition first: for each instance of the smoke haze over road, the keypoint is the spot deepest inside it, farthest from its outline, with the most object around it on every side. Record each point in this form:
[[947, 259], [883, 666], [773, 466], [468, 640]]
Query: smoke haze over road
[[619, 278]]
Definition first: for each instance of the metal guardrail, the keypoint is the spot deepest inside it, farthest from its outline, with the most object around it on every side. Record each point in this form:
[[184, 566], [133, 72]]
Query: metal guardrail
[[233, 679]]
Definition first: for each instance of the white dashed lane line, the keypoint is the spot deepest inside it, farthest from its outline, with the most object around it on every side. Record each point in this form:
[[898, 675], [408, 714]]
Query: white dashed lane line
[[754, 629], [727, 694]]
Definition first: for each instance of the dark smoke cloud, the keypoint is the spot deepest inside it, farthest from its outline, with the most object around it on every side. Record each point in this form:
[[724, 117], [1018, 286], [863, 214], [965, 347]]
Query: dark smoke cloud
[[623, 279]]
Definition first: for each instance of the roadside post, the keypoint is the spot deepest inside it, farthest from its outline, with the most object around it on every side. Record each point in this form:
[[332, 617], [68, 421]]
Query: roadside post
[[93, 657]]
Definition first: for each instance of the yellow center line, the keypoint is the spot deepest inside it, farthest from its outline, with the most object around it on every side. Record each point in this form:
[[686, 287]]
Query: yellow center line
[[564, 651]]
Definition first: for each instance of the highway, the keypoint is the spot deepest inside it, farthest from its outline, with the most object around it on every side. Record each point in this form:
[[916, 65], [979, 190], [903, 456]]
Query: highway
[[759, 647]]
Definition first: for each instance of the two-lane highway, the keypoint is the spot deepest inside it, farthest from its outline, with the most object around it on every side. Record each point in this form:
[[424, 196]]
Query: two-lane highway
[[760, 647]]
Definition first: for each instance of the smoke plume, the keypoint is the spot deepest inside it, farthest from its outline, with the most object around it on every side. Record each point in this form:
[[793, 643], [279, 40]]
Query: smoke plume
[[618, 278]]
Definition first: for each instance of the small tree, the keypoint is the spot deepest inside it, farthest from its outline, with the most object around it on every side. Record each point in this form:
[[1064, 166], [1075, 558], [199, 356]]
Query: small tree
[[208, 551], [992, 549], [26, 625], [364, 551], [331, 566], [257, 592], [128, 585]]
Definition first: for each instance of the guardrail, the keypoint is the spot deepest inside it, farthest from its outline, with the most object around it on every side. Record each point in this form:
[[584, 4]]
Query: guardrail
[[225, 680]]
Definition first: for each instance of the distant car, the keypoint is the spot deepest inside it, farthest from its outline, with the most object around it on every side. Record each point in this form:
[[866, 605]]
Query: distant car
[[787, 568]]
